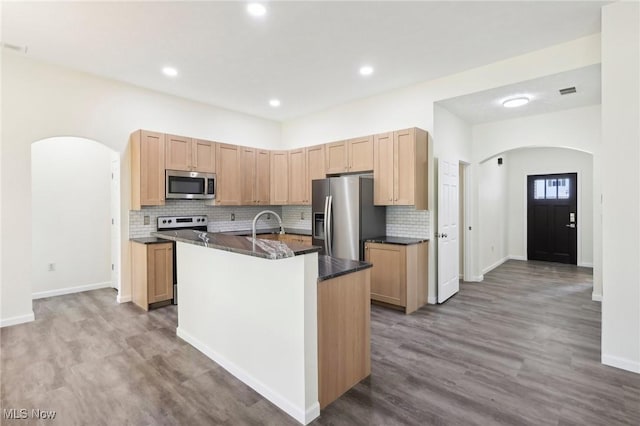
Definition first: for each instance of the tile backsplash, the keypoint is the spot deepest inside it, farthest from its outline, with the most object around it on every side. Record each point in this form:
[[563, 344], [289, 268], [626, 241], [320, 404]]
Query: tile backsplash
[[402, 221]]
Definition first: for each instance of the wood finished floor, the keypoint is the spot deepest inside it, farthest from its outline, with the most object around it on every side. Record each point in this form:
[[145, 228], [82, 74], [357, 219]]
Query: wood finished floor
[[522, 347]]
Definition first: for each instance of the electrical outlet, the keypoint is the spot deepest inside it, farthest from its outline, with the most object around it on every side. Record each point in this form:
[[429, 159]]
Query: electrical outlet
[[233, 217], [147, 220], [268, 216], [301, 215], [51, 266]]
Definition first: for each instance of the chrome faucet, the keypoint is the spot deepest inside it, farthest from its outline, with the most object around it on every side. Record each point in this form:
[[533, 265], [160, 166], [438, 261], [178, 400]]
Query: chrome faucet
[[255, 220]]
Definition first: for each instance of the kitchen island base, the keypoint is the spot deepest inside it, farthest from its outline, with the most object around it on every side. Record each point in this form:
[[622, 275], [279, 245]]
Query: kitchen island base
[[257, 318]]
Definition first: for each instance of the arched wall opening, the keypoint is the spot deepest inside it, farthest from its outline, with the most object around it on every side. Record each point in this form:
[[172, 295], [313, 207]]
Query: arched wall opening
[[75, 200], [502, 196]]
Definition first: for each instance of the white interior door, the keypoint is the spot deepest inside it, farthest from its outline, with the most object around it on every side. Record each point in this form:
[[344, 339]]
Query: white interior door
[[447, 234]]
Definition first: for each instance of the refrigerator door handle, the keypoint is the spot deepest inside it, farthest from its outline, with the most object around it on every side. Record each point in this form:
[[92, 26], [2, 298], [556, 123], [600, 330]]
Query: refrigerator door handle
[[329, 235], [326, 218]]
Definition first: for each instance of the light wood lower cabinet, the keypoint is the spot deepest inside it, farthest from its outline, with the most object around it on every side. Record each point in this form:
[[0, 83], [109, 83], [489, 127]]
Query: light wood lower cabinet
[[344, 334], [399, 274], [287, 238], [152, 273]]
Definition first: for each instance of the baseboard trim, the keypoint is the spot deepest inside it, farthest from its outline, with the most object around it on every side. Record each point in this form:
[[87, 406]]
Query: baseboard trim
[[304, 416], [495, 265], [622, 363], [517, 257], [585, 264], [432, 300], [70, 290], [20, 319], [123, 299], [476, 278], [596, 297]]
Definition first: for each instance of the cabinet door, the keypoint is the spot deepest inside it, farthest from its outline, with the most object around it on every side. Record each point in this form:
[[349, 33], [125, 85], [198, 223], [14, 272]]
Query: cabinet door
[[263, 183], [279, 177], [383, 170], [388, 275], [151, 168], [404, 168], [297, 177], [361, 154], [160, 272], [248, 175], [204, 156], [336, 157], [228, 175], [178, 155], [315, 167]]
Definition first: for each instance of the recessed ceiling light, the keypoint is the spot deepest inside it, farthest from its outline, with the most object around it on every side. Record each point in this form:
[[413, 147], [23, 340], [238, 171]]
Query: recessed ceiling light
[[274, 103], [170, 71], [366, 70], [515, 102], [256, 9]]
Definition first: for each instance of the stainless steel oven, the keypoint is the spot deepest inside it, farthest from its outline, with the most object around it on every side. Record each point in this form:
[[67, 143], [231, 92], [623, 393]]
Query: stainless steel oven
[[183, 185], [170, 223]]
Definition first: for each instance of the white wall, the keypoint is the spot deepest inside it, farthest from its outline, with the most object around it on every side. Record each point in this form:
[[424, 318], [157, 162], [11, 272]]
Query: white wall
[[534, 161], [71, 215], [492, 212], [621, 185], [41, 101]]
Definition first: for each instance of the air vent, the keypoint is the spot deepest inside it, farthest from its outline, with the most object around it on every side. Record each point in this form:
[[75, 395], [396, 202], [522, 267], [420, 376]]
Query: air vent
[[14, 47], [568, 91]]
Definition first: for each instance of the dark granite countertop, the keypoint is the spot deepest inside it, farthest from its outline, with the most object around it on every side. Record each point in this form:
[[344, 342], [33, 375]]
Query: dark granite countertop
[[267, 249], [397, 240], [331, 267], [247, 232], [148, 240]]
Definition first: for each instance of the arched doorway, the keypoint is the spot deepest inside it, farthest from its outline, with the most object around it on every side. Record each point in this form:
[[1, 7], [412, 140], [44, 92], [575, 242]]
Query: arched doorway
[[75, 219]]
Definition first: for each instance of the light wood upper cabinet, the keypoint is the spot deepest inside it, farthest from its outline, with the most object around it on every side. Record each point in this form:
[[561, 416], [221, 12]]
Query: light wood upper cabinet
[[298, 188], [255, 176], [315, 167], [336, 157], [400, 168], [204, 156], [263, 174], [191, 155], [399, 274], [147, 169], [360, 154], [178, 152], [353, 155], [279, 177], [229, 187]]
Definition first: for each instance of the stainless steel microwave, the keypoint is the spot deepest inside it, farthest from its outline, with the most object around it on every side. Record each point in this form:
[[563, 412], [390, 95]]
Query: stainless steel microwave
[[190, 185]]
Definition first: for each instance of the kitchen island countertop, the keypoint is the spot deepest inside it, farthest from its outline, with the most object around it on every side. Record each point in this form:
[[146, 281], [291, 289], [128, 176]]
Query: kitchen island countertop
[[237, 244], [331, 267]]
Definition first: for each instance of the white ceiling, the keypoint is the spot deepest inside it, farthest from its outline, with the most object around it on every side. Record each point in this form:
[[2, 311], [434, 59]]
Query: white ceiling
[[486, 106], [307, 54]]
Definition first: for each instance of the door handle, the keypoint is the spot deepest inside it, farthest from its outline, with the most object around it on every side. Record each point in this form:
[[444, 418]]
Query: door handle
[[326, 218], [570, 225], [329, 225]]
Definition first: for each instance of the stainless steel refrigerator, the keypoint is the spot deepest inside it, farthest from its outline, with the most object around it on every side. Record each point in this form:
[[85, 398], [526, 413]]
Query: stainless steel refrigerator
[[344, 215]]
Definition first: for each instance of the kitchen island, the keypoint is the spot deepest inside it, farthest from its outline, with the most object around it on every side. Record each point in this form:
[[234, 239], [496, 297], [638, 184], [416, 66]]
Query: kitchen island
[[253, 307]]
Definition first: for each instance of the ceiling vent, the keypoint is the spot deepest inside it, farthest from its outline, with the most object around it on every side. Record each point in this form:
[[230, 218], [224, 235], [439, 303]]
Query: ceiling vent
[[568, 90]]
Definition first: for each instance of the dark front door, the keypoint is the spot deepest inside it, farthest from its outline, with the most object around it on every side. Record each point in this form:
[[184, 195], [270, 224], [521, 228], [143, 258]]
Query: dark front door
[[552, 218]]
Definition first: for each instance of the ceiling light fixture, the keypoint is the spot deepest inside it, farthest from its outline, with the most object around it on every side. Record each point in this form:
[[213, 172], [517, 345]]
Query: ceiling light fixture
[[256, 9], [170, 71], [274, 103], [515, 102], [366, 70]]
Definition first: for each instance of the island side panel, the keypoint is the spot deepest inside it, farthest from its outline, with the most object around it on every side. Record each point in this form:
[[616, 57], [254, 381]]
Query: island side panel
[[344, 333], [250, 315]]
